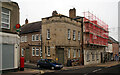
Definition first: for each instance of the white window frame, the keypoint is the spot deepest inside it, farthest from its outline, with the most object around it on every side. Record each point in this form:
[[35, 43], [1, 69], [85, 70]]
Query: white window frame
[[68, 52], [25, 38], [79, 53], [40, 37], [37, 35], [48, 51], [22, 38], [37, 49], [68, 34], [40, 51], [74, 35], [22, 51], [74, 54], [87, 57], [33, 49], [93, 56], [48, 34], [5, 18], [78, 35], [33, 37]]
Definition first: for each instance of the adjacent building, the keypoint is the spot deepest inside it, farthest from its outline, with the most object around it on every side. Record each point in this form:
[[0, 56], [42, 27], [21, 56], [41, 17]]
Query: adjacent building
[[9, 39]]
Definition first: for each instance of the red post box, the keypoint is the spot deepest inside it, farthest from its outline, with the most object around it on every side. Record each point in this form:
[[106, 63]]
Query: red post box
[[21, 63]]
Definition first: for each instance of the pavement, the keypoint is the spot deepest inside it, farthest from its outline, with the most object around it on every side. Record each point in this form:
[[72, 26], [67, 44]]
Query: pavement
[[33, 70]]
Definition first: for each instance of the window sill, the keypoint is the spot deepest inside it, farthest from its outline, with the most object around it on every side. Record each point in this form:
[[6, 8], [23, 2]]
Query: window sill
[[48, 55], [48, 39]]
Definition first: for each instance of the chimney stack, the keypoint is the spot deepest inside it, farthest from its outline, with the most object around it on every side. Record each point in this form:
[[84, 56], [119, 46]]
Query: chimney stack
[[72, 13], [26, 21], [54, 13]]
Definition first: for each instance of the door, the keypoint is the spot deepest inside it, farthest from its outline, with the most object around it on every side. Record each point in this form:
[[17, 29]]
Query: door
[[7, 56], [27, 55], [60, 55]]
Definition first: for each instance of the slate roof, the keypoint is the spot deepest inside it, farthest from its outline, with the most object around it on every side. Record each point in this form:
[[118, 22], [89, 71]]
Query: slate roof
[[31, 27]]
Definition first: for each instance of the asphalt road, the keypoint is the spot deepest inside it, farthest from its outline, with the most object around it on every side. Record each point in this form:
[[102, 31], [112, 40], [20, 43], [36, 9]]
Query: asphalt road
[[114, 70]]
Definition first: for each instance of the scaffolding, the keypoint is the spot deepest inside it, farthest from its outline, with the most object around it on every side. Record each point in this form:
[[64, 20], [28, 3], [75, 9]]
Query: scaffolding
[[98, 30]]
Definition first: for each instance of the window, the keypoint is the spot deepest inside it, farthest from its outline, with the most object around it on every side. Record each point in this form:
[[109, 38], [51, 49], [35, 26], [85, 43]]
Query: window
[[40, 51], [37, 37], [33, 51], [68, 52], [68, 33], [5, 16], [25, 38], [78, 35], [48, 33], [22, 38], [48, 51], [40, 37], [37, 51], [74, 53], [22, 52], [73, 34], [33, 37], [87, 56], [97, 56], [93, 56], [79, 53]]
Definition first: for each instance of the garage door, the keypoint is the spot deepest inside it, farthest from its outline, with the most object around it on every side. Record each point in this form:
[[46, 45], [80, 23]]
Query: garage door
[[7, 56]]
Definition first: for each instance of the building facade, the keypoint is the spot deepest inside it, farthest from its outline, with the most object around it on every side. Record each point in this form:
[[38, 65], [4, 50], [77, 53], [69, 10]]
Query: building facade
[[9, 43], [60, 39], [30, 45]]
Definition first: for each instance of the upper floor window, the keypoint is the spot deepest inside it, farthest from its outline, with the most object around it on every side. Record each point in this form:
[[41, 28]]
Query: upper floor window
[[33, 37], [40, 37], [73, 34], [22, 38], [68, 33], [78, 35], [5, 18], [25, 38], [48, 33], [37, 37]]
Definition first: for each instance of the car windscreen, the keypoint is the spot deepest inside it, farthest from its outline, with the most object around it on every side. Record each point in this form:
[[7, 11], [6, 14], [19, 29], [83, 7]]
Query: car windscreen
[[50, 61]]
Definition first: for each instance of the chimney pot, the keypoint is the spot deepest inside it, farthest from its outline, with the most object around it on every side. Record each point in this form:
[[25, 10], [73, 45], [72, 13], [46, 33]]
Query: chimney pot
[[26, 21]]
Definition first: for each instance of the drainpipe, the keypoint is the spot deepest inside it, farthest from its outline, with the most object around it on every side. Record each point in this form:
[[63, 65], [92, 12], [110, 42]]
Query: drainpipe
[[82, 41]]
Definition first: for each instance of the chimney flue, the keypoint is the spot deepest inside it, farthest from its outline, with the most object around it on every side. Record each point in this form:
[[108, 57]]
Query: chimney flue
[[54, 13], [72, 13], [26, 21]]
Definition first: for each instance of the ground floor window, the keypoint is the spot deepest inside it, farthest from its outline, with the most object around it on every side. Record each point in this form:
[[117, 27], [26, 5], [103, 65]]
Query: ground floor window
[[33, 51], [74, 53], [22, 52], [87, 57], [97, 56], [93, 57], [68, 52], [37, 51], [48, 51], [79, 53], [40, 51]]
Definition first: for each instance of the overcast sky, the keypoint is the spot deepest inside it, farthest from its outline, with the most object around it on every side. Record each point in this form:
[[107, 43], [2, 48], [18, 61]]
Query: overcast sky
[[106, 10]]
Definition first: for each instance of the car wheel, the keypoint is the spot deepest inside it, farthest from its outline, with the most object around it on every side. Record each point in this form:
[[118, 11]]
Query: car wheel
[[52, 68]]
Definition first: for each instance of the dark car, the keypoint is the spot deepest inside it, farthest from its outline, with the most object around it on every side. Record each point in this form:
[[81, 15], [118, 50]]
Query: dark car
[[48, 63]]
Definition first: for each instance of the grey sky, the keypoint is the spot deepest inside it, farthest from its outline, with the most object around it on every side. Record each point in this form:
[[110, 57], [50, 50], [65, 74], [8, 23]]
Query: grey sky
[[106, 10]]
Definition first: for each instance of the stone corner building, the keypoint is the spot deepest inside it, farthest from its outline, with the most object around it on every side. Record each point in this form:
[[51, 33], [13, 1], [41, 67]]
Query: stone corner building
[[56, 37]]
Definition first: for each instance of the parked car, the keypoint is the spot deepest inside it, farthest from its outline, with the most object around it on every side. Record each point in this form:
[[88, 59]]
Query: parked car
[[48, 63]]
